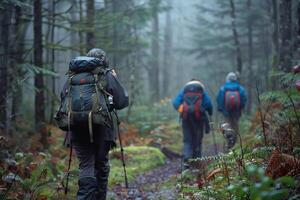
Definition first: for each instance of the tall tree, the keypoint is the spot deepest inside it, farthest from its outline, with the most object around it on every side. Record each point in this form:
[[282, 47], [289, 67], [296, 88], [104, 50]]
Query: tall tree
[[38, 62], [275, 41], [90, 23], [285, 30], [236, 37], [50, 56], [167, 60], [80, 33], [115, 39], [275, 35], [155, 52], [18, 51], [267, 42], [298, 31], [250, 55], [5, 26]]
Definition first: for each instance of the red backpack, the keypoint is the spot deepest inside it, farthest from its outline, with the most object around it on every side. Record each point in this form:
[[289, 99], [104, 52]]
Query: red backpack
[[192, 101], [232, 100]]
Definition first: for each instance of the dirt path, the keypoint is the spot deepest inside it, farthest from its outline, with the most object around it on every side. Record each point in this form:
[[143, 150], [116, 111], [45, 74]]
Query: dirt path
[[157, 183], [150, 185]]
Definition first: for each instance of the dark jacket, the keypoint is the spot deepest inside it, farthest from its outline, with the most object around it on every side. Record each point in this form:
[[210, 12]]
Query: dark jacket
[[114, 87], [120, 101]]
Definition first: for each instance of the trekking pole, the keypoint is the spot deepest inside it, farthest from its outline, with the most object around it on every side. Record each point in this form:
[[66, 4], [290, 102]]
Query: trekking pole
[[68, 171], [122, 150], [213, 136]]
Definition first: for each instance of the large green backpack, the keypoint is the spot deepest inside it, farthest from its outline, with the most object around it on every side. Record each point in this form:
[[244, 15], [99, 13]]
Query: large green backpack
[[84, 101]]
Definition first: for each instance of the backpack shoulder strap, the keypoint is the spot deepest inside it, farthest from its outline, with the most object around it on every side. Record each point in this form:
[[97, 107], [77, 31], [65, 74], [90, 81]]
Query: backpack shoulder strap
[[69, 102]]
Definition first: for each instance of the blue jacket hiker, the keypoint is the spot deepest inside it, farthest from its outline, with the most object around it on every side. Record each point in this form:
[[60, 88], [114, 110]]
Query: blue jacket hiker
[[193, 104], [231, 85], [231, 100]]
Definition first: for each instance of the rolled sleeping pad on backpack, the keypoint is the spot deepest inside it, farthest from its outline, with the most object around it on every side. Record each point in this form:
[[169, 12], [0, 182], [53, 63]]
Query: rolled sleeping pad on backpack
[[195, 83], [84, 64]]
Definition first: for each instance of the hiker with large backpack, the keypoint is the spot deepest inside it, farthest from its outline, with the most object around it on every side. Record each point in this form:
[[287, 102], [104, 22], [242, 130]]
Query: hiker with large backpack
[[231, 100], [193, 104], [91, 92]]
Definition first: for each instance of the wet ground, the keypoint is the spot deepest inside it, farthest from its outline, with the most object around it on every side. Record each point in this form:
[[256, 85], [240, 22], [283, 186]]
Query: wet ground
[[152, 185], [159, 183]]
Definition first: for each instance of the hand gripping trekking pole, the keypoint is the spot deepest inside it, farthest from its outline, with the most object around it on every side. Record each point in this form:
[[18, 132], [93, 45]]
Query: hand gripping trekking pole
[[121, 147]]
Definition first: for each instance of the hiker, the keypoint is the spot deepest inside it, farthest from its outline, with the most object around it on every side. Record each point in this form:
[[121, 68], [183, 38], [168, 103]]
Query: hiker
[[91, 92], [193, 104], [231, 100]]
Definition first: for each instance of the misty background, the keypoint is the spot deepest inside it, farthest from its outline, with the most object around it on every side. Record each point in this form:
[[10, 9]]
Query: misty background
[[155, 46]]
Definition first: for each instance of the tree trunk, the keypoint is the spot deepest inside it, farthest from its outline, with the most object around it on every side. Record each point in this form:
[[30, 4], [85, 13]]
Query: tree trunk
[[275, 28], [38, 61], [167, 53], [17, 95], [275, 41], [52, 61], [133, 89], [250, 57], [115, 37], [285, 30], [74, 37], [90, 17], [80, 33], [5, 25], [267, 45], [298, 31], [236, 38], [155, 52]]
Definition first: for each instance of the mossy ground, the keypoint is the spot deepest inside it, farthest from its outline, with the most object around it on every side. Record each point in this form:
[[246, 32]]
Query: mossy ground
[[138, 160]]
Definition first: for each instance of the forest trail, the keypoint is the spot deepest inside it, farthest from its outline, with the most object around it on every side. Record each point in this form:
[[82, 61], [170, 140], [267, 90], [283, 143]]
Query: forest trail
[[150, 185], [159, 183]]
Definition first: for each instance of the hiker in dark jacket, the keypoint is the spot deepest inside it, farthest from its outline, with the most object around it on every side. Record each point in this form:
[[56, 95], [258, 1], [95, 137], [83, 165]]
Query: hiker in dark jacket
[[193, 103], [93, 156], [231, 100]]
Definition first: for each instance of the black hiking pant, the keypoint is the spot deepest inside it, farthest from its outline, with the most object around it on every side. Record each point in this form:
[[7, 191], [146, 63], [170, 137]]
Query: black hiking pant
[[93, 164], [192, 138]]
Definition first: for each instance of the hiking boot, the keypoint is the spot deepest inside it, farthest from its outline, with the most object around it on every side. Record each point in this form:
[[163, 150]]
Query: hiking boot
[[102, 173], [186, 166], [101, 190], [87, 188]]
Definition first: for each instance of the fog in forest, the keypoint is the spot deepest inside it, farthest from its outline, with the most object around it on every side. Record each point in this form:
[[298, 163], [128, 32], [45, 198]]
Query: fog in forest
[[155, 47], [155, 57]]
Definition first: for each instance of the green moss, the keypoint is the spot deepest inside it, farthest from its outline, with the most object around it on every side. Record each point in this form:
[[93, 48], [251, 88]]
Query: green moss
[[138, 160]]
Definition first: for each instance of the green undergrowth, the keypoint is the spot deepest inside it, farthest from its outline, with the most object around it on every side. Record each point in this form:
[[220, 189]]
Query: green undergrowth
[[168, 135], [174, 139], [139, 159], [42, 175], [240, 174], [148, 117], [251, 184]]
